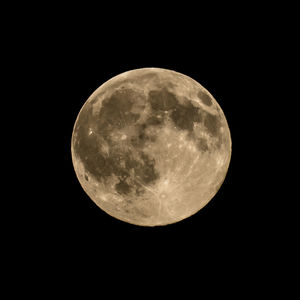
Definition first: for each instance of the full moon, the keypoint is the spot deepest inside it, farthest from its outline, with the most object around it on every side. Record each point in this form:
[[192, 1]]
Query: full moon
[[151, 147]]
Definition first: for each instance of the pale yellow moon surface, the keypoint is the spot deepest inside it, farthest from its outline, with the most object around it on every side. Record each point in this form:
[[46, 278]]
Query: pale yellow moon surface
[[151, 147]]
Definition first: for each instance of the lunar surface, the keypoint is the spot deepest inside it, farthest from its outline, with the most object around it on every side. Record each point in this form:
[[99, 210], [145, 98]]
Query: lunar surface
[[151, 147]]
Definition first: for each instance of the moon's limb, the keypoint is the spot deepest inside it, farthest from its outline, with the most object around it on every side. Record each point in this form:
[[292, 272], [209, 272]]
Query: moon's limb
[[151, 147]]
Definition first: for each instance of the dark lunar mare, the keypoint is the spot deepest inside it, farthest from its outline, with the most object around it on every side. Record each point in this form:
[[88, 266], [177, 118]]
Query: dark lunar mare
[[182, 115], [185, 114], [116, 114]]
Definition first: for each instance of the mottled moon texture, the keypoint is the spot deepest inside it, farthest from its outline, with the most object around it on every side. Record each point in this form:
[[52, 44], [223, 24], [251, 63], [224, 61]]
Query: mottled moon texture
[[151, 147]]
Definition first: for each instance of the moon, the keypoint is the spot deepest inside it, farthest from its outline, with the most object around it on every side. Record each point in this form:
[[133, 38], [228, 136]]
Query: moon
[[151, 147]]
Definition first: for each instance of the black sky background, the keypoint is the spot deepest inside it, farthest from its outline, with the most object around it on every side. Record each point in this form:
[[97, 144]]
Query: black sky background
[[220, 65], [70, 57], [78, 66]]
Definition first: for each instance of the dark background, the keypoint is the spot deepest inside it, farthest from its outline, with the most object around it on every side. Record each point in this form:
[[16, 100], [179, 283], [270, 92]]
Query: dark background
[[66, 56], [78, 64], [222, 64]]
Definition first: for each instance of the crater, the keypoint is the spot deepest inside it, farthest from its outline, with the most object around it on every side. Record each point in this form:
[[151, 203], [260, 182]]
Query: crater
[[163, 196]]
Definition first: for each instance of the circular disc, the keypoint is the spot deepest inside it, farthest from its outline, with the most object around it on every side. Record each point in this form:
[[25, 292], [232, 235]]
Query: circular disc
[[151, 146]]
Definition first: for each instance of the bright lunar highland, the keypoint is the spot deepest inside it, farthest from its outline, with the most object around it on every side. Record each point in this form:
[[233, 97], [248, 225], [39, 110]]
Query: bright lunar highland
[[151, 147]]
